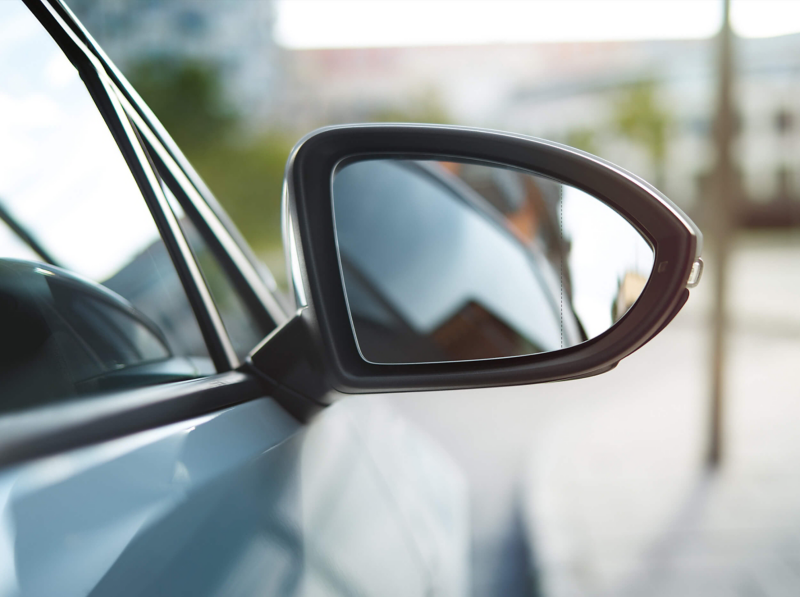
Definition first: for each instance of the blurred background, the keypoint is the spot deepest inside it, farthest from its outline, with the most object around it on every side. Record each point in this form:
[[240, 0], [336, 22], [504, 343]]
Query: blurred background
[[675, 474]]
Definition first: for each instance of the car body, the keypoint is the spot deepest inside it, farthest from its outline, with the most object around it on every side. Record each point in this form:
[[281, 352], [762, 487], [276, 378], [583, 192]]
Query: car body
[[137, 467], [171, 425]]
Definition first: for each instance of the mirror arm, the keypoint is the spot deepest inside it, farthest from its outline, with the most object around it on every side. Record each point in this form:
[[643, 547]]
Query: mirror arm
[[288, 361]]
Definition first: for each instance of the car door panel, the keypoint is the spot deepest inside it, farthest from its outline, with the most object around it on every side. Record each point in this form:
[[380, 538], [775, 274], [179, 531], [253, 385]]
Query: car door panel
[[206, 486], [244, 501], [74, 514]]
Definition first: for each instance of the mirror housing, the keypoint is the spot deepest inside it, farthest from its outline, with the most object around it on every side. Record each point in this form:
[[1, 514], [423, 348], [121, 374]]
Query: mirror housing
[[319, 344]]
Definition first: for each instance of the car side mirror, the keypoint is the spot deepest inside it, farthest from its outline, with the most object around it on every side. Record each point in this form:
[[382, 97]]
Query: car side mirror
[[430, 257]]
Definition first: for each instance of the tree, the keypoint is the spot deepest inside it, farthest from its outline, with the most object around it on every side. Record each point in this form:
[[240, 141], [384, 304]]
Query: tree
[[244, 172], [187, 97], [639, 116], [582, 138]]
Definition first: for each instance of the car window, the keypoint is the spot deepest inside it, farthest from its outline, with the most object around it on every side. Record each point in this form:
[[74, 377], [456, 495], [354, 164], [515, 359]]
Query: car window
[[245, 329], [89, 297]]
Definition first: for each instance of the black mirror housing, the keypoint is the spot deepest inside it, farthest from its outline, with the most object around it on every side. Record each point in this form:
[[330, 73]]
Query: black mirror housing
[[321, 337]]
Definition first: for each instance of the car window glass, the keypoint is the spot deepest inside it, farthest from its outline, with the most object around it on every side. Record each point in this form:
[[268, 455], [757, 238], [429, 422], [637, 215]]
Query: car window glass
[[12, 245], [89, 297], [241, 324]]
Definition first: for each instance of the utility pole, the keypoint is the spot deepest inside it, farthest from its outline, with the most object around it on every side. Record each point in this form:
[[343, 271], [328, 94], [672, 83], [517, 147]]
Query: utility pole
[[721, 221]]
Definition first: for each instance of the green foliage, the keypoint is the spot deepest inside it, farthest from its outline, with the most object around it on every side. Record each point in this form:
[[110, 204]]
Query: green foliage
[[244, 173], [188, 98], [247, 179], [582, 138], [639, 116]]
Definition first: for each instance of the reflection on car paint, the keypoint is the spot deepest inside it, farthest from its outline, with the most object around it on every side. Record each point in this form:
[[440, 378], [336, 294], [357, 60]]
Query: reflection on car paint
[[241, 502]]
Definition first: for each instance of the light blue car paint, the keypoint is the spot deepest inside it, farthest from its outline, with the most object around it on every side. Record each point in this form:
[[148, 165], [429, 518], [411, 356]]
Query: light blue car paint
[[245, 501]]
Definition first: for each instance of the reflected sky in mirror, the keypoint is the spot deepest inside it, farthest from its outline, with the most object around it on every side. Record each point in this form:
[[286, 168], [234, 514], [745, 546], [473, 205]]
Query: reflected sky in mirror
[[609, 260]]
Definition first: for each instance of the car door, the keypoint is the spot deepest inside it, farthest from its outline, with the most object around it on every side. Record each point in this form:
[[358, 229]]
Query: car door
[[140, 455]]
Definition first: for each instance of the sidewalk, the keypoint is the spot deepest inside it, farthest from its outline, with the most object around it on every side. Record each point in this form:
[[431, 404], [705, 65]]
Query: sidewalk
[[617, 499]]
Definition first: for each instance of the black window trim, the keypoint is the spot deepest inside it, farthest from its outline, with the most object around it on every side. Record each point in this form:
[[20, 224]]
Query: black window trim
[[72, 424], [219, 345], [252, 302], [101, 90], [276, 307], [246, 280]]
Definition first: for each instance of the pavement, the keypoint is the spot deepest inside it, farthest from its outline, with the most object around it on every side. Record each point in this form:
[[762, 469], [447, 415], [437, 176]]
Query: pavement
[[599, 486]]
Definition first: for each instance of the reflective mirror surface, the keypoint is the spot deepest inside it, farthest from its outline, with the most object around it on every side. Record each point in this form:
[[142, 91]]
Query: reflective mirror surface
[[444, 261]]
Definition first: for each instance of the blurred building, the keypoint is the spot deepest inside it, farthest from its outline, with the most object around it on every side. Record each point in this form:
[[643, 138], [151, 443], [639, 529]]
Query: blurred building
[[574, 93], [234, 35]]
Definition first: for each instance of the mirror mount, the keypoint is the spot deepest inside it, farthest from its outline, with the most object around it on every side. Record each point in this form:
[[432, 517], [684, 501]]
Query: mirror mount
[[325, 324], [288, 361]]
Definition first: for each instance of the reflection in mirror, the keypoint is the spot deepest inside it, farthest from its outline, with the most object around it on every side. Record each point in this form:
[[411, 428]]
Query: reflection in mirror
[[443, 261]]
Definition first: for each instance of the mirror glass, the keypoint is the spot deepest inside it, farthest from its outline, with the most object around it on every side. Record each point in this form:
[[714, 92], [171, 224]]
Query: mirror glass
[[444, 261]]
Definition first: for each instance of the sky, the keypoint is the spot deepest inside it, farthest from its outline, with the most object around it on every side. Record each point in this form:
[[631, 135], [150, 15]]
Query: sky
[[370, 23], [48, 120]]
